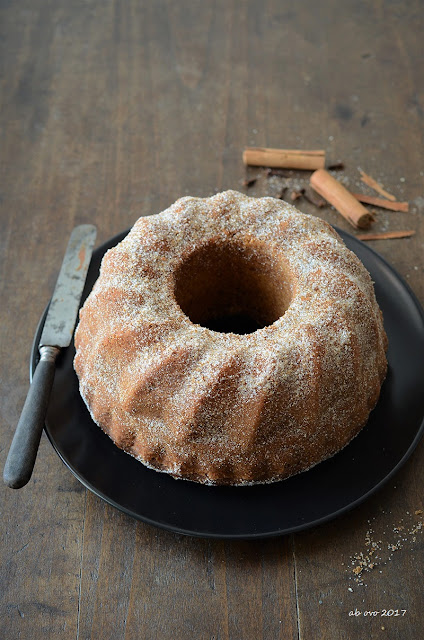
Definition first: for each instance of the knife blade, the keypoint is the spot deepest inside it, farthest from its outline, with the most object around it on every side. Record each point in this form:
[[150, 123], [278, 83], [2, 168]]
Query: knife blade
[[57, 334]]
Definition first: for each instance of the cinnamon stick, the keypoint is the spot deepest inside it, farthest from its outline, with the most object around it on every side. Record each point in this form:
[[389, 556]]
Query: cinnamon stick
[[381, 202], [314, 198], [284, 158], [375, 185], [249, 182], [296, 194], [330, 189], [386, 235]]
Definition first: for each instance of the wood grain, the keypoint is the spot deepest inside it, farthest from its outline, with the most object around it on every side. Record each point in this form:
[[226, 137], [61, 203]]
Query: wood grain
[[110, 111]]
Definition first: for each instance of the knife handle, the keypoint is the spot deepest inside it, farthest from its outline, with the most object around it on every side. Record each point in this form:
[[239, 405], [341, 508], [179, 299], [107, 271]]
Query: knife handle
[[23, 450]]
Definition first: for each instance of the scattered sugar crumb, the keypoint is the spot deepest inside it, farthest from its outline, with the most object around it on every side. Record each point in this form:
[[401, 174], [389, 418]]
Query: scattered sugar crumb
[[380, 551]]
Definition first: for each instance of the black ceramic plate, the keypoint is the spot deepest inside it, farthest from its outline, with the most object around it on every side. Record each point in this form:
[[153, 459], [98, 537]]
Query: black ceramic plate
[[305, 500]]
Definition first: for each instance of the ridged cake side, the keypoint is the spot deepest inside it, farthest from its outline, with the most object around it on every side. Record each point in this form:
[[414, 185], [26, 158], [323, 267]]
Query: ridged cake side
[[220, 407]]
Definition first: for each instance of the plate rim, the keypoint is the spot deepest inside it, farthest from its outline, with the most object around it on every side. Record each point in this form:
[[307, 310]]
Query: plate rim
[[101, 250]]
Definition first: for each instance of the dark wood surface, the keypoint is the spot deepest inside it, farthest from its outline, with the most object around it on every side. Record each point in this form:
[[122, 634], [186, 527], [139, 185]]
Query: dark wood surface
[[112, 110]]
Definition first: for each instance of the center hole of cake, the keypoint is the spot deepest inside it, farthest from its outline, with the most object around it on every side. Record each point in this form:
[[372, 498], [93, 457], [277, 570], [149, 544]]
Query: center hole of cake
[[233, 288]]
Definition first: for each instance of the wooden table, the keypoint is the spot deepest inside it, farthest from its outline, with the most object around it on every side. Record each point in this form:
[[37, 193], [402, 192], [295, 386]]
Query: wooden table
[[112, 110]]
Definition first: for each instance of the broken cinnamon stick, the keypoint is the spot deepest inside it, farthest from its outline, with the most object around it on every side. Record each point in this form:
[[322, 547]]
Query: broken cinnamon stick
[[375, 185], [284, 158], [249, 182], [381, 202], [314, 198], [330, 189], [295, 194], [386, 235]]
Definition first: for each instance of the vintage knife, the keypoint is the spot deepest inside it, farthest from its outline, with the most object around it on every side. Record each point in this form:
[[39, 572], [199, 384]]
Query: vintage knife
[[57, 334]]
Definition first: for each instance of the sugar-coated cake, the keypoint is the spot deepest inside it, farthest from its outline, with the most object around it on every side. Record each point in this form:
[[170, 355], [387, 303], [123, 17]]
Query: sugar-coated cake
[[166, 374]]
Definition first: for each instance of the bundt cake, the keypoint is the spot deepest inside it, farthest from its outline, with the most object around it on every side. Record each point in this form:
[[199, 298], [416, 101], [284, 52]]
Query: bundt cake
[[231, 340]]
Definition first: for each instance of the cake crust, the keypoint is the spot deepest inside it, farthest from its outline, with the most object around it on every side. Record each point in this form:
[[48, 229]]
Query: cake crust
[[226, 408]]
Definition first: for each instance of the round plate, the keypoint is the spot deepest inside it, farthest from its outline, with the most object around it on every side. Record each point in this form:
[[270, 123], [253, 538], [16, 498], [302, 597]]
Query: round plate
[[310, 498]]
